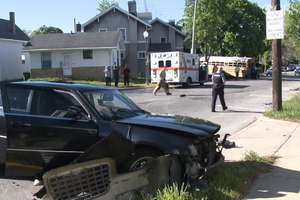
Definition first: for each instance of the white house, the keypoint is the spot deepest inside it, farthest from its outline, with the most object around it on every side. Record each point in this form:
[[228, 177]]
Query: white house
[[12, 39], [78, 55]]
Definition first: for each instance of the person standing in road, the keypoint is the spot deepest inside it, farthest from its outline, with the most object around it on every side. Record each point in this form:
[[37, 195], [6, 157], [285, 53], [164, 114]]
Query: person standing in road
[[237, 71], [116, 75], [218, 80], [162, 83], [107, 74], [126, 73]]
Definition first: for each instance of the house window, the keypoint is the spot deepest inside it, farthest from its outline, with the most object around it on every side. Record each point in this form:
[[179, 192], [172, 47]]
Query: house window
[[87, 54], [168, 63], [23, 59], [163, 40], [161, 63], [124, 33], [103, 29], [141, 55], [46, 60]]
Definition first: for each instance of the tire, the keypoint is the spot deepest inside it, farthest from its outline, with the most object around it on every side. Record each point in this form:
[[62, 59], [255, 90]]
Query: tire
[[140, 159]]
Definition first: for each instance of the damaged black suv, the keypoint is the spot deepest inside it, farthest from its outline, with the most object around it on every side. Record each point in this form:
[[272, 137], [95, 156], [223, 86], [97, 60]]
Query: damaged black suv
[[45, 125]]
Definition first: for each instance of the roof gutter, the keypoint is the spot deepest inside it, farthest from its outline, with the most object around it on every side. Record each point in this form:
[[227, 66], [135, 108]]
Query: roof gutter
[[12, 40], [113, 8], [69, 49]]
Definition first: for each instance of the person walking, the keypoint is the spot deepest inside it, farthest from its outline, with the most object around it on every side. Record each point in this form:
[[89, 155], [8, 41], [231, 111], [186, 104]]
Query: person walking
[[162, 83], [126, 73], [116, 75], [218, 80], [107, 74]]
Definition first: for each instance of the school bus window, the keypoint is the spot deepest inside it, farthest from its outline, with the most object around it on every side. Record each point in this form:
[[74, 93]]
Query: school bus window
[[161, 63], [168, 63]]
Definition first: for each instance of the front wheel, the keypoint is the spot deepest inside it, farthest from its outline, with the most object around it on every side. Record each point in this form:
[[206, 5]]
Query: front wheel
[[141, 159]]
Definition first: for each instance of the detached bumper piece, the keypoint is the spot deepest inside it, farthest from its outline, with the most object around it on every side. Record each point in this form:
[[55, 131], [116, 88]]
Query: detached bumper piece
[[79, 181], [98, 180]]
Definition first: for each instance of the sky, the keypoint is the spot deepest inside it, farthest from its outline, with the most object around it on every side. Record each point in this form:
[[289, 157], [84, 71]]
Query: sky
[[31, 14]]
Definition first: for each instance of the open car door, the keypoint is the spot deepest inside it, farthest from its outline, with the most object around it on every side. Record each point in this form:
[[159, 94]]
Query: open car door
[[3, 135]]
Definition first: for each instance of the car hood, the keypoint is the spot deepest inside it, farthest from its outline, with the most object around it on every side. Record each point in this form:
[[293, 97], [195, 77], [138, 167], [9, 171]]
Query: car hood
[[179, 124]]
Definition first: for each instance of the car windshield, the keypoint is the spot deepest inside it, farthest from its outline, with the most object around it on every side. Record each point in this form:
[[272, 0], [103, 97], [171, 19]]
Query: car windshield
[[113, 105]]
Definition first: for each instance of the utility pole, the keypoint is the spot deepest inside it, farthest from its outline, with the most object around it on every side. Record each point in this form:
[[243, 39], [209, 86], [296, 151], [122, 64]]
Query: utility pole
[[194, 24], [276, 67]]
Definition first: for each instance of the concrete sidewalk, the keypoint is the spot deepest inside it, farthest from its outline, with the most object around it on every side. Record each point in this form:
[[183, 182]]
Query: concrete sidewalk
[[272, 137]]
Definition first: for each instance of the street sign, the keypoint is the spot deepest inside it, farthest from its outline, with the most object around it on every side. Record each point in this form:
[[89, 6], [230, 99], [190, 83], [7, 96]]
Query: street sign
[[275, 24]]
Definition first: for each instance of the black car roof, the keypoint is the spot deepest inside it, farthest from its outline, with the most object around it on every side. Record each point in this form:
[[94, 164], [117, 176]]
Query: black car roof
[[61, 85]]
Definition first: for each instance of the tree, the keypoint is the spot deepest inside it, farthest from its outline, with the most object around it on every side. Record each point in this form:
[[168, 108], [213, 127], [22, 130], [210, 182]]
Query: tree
[[103, 5], [293, 26], [46, 29], [227, 27], [267, 58]]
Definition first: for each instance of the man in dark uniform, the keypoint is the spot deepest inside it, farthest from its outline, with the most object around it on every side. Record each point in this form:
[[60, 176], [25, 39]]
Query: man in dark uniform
[[218, 80], [116, 75]]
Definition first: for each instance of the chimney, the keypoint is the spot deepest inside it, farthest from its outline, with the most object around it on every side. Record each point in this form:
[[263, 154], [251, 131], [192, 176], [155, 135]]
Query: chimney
[[12, 23], [132, 7], [172, 22], [78, 27]]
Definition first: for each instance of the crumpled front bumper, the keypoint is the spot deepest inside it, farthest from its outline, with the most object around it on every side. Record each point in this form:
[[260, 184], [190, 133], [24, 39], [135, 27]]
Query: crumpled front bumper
[[199, 165], [212, 168]]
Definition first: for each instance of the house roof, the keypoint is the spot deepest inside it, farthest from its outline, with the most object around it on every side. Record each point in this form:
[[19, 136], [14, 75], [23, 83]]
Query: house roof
[[168, 25], [6, 34], [118, 9], [69, 41]]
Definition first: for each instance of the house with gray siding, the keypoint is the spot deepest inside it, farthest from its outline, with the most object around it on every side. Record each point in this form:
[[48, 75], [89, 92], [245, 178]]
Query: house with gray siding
[[165, 36], [82, 56], [162, 36]]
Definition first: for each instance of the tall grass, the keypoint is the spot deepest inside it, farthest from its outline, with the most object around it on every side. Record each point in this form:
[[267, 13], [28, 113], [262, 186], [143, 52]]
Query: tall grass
[[230, 182], [291, 110], [137, 82]]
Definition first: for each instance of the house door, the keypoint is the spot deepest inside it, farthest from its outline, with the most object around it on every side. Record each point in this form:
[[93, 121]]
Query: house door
[[67, 67]]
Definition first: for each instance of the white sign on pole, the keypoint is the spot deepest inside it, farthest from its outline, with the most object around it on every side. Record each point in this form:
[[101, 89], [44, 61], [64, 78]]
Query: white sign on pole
[[275, 24]]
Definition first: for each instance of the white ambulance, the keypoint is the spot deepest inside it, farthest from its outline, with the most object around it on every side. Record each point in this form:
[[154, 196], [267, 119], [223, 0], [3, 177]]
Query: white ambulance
[[181, 68]]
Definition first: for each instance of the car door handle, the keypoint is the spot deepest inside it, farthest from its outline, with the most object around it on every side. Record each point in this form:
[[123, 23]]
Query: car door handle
[[27, 125]]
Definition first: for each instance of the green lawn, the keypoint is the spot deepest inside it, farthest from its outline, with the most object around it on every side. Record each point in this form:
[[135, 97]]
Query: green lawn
[[230, 182], [138, 82], [291, 110]]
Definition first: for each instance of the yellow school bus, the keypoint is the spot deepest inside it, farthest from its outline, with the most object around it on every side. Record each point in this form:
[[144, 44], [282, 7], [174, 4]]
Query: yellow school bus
[[232, 66]]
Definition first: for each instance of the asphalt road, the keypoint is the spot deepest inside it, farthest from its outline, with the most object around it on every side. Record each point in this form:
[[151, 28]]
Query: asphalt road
[[246, 100]]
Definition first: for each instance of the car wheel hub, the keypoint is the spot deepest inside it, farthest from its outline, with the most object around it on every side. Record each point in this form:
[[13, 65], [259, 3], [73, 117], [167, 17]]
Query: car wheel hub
[[140, 163]]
